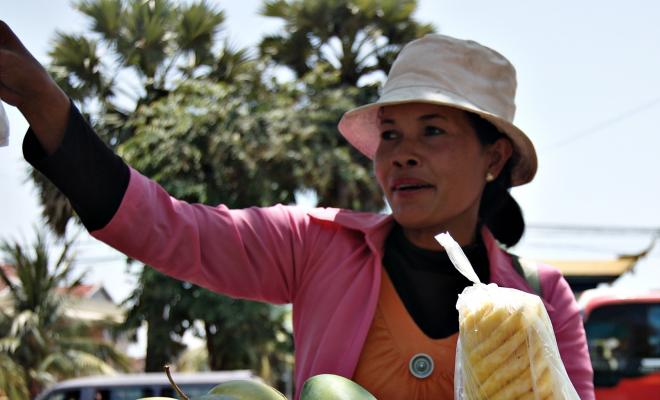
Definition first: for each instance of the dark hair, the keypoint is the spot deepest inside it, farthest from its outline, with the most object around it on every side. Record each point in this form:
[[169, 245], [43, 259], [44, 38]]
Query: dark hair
[[498, 210]]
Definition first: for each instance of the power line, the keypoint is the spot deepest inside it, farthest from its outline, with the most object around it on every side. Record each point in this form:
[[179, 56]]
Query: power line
[[604, 124], [596, 229]]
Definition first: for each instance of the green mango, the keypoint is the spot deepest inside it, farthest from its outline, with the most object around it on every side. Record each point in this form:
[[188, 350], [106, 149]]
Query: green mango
[[333, 387], [245, 390]]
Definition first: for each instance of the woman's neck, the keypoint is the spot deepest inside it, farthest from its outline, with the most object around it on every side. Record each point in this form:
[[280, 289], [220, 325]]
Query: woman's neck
[[424, 237]]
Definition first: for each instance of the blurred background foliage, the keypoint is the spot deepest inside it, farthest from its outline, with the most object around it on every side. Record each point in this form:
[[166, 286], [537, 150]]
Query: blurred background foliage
[[39, 343]]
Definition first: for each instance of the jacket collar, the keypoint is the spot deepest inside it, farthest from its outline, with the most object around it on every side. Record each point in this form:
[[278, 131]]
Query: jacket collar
[[359, 221], [374, 226]]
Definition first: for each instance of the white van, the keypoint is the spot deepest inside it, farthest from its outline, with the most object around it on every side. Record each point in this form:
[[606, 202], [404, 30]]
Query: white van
[[135, 386]]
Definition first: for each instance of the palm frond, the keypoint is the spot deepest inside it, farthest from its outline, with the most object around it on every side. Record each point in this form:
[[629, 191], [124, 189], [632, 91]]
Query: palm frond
[[101, 349], [231, 63], [75, 363], [26, 323], [56, 208], [275, 8], [76, 65], [106, 16], [12, 379], [143, 44], [9, 344], [198, 25], [39, 280]]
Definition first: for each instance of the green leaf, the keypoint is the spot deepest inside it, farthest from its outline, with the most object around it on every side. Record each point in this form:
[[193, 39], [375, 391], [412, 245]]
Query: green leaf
[[106, 16]]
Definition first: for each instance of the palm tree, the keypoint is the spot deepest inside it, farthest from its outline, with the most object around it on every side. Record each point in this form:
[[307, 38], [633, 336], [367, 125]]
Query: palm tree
[[355, 37], [147, 46], [38, 344]]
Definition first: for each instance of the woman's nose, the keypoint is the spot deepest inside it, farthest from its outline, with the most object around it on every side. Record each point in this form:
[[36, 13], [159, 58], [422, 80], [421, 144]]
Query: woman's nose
[[409, 161], [406, 155]]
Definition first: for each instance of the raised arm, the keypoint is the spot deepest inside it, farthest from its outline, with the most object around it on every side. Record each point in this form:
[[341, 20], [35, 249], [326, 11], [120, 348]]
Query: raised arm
[[24, 83], [251, 253]]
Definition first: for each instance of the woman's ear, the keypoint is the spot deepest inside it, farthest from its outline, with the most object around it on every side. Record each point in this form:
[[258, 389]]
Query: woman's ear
[[499, 153]]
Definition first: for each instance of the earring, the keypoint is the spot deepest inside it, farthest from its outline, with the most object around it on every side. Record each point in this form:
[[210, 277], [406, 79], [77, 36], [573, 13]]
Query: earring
[[490, 177]]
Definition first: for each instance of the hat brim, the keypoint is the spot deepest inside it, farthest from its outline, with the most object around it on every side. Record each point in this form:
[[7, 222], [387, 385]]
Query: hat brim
[[360, 127]]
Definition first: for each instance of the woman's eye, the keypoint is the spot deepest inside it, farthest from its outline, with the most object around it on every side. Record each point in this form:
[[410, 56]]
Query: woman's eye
[[388, 135], [434, 131]]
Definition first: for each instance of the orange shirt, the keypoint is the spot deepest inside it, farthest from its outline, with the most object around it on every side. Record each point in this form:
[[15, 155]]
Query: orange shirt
[[393, 340]]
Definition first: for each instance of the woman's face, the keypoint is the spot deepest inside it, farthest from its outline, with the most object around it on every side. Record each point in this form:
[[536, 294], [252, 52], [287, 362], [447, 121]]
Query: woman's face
[[432, 168]]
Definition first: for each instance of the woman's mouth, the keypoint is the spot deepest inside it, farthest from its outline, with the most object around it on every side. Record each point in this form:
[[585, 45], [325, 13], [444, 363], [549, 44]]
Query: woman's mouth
[[409, 186]]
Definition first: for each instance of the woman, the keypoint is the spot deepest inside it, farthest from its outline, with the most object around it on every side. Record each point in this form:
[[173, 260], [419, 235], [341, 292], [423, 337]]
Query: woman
[[445, 152]]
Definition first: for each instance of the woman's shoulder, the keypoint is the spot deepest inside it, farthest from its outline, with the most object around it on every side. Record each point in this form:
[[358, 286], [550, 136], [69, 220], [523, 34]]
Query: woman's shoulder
[[542, 277], [554, 287]]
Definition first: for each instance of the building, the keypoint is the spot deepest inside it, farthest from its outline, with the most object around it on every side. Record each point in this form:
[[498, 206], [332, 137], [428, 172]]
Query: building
[[588, 274]]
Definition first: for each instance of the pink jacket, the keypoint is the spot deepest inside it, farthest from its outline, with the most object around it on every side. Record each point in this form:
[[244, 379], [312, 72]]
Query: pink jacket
[[326, 262]]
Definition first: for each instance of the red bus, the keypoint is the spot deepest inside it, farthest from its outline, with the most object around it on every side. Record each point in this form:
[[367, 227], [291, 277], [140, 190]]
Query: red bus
[[623, 333]]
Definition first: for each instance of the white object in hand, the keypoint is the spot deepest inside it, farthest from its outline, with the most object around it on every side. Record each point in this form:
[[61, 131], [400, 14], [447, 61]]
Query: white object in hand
[[457, 256], [4, 127]]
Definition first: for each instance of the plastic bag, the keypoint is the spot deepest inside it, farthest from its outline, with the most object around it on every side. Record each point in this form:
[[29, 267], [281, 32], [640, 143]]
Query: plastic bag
[[506, 346], [4, 127]]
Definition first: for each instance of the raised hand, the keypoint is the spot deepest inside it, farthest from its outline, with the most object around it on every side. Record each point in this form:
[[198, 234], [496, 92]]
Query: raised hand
[[24, 83]]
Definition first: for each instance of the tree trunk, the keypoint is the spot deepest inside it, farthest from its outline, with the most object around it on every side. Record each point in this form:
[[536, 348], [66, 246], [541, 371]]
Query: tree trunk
[[215, 359], [161, 349]]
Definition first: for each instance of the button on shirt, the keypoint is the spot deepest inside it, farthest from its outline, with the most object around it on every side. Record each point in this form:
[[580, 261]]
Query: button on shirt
[[394, 340]]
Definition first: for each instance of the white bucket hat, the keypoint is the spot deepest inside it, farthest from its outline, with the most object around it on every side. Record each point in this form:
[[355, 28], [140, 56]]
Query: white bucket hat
[[451, 72]]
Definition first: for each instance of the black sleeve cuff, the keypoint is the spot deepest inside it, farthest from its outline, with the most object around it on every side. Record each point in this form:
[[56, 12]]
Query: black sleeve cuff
[[84, 169]]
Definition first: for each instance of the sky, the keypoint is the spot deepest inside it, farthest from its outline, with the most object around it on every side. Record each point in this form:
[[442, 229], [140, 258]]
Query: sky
[[588, 94]]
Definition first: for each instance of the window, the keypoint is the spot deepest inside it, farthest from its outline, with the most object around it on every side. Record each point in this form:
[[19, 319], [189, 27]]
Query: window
[[122, 393], [64, 395], [625, 338]]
